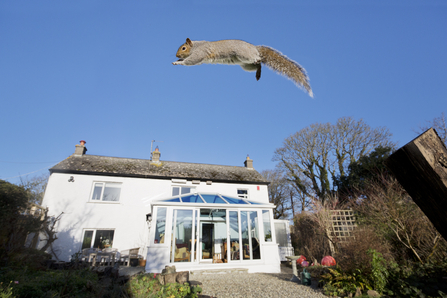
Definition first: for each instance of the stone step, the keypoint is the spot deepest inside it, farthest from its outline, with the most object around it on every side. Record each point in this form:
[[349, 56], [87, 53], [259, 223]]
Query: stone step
[[219, 271]]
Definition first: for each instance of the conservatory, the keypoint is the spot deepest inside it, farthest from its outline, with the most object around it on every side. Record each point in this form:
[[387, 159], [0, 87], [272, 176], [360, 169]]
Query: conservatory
[[210, 231]]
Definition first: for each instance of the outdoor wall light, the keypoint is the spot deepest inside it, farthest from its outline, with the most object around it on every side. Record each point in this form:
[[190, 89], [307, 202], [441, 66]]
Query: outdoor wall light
[[71, 179], [149, 220]]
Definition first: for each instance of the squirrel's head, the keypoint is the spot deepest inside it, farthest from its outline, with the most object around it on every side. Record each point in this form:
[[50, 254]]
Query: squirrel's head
[[185, 49]]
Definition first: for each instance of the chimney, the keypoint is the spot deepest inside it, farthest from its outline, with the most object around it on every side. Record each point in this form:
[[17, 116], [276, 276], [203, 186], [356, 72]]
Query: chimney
[[248, 163], [80, 148], [156, 156]]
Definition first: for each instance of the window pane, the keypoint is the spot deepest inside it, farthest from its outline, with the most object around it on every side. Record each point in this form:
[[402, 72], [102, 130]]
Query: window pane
[[281, 234], [192, 199], [182, 231], [87, 242], [255, 235], [186, 190], [233, 201], [245, 235], [213, 199], [160, 225], [267, 226], [112, 192], [103, 239], [175, 191], [97, 191], [234, 235]]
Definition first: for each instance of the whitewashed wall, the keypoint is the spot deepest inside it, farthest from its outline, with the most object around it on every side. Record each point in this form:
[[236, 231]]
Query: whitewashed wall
[[127, 217]]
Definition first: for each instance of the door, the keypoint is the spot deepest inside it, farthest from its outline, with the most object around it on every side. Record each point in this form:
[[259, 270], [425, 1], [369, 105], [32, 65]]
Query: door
[[207, 236]]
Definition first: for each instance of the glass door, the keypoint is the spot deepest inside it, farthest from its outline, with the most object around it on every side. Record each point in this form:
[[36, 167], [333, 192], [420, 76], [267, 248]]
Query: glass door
[[213, 235]]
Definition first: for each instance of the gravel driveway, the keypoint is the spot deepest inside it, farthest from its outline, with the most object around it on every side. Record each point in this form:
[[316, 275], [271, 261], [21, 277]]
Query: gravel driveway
[[258, 285]]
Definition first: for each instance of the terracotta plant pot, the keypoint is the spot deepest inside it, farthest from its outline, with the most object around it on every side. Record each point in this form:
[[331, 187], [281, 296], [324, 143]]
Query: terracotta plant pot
[[142, 263]]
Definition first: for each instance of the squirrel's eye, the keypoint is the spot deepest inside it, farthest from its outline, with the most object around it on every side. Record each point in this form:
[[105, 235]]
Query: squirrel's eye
[[184, 48]]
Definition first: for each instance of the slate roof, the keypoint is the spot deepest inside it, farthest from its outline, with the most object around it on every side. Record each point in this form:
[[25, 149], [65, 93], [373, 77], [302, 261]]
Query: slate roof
[[144, 168]]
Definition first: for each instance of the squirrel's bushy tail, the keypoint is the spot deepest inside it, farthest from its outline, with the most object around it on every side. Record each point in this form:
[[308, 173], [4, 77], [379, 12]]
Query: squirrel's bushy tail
[[285, 66]]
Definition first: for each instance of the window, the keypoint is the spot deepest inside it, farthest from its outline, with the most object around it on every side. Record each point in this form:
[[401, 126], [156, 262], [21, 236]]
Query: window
[[180, 190], [242, 193], [281, 234], [182, 226], [98, 239], [267, 225], [250, 235], [106, 192], [160, 225]]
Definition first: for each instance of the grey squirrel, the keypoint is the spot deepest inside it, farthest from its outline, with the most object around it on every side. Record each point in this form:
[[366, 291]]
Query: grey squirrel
[[248, 56]]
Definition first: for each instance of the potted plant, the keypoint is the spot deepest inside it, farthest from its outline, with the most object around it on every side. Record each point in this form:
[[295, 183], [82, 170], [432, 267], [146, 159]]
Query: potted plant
[[106, 243]]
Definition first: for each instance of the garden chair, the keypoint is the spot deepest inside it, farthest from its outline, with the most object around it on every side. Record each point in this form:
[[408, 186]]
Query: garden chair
[[128, 254]]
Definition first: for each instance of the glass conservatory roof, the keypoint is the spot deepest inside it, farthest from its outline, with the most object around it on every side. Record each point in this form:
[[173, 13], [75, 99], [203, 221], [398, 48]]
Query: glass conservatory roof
[[209, 198]]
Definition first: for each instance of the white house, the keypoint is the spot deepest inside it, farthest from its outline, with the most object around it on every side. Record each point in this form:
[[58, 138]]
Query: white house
[[193, 216]]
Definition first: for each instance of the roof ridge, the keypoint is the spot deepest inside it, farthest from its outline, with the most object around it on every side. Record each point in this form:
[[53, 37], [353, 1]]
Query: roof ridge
[[143, 159]]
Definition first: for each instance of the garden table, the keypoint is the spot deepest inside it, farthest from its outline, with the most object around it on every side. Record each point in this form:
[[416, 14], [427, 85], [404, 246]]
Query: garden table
[[295, 272], [99, 255]]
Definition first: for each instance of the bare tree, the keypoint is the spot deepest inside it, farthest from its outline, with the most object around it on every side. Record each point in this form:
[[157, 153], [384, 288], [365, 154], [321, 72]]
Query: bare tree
[[36, 187], [299, 199], [48, 232], [439, 124], [278, 192], [315, 155]]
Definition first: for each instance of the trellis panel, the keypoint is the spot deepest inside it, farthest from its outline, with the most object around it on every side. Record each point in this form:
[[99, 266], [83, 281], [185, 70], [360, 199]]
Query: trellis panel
[[343, 224]]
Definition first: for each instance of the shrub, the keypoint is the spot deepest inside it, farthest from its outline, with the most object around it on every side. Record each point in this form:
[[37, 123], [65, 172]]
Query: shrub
[[310, 241], [392, 213], [69, 283], [6, 292], [146, 285], [339, 283], [418, 280], [379, 271], [353, 254]]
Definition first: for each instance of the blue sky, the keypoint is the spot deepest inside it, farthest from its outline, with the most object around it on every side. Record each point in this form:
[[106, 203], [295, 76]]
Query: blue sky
[[101, 71]]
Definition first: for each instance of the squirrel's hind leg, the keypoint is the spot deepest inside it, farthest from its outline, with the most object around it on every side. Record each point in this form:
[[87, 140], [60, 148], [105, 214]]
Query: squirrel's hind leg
[[258, 72], [253, 67]]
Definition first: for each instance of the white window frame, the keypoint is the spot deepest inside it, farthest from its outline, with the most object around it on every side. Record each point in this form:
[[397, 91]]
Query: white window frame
[[192, 189], [94, 235], [104, 183], [243, 196]]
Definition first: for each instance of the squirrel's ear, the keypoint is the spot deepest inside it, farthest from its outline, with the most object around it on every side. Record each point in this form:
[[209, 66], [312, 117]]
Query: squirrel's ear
[[189, 42]]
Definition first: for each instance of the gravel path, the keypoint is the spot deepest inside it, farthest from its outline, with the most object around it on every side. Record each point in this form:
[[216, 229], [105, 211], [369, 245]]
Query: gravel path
[[258, 285]]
